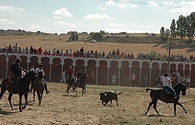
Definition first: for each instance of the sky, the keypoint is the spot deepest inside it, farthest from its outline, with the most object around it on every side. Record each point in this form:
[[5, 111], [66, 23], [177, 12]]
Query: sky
[[61, 16]]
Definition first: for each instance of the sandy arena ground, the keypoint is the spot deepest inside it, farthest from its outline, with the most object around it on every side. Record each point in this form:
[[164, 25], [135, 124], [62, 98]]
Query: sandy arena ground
[[59, 108]]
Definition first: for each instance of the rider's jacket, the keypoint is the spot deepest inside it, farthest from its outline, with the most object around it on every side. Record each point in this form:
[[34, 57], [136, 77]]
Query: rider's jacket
[[79, 74], [38, 70], [70, 71], [16, 70]]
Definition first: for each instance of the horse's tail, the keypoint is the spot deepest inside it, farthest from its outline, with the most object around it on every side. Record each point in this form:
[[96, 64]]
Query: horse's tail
[[148, 89], [119, 93], [4, 82]]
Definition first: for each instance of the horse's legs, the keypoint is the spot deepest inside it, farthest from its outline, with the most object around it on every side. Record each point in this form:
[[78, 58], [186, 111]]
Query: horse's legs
[[67, 90], [39, 98], [154, 106], [150, 104], [33, 94], [20, 102], [182, 106], [26, 101], [175, 108], [10, 102], [82, 91], [2, 92]]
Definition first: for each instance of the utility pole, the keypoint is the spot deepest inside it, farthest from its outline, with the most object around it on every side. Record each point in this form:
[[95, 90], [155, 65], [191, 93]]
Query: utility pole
[[168, 69]]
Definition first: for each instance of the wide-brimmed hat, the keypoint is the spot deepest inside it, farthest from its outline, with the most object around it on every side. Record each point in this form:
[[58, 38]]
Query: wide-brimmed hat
[[18, 60]]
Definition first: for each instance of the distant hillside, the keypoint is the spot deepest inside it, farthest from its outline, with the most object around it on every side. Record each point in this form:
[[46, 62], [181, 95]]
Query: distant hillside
[[111, 37], [132, 39], [22, 33]]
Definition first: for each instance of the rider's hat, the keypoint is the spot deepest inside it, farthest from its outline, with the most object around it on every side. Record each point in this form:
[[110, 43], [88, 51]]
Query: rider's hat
[[173, 73], [18, 60], [40, 65]]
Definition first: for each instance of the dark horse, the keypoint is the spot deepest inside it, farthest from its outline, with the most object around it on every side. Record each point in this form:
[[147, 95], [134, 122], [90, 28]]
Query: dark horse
[[38, 86], [23, 88], [70, 80], [161, 95], [81, 83]]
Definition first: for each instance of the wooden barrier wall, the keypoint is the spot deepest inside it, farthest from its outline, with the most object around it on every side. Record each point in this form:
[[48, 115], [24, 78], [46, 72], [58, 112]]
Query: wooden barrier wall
[[129, 72]]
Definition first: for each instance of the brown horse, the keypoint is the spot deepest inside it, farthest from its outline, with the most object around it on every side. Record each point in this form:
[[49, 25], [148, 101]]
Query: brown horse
[[38, 87], [162, 96], [80, 83], [23, 88], [70, 81]]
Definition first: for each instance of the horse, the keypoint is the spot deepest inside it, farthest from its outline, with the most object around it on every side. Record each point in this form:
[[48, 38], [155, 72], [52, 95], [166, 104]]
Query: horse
[[38, 87], [81, 83], [23, 88], [70, 81], [159, 94]]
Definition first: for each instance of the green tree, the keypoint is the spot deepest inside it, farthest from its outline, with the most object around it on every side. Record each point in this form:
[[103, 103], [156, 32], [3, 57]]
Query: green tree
[[162, 33], [167, 34], [173, 29], [74, 36], [192, 20], [96, 36], [189, 30], [181, 24], [102, 32]]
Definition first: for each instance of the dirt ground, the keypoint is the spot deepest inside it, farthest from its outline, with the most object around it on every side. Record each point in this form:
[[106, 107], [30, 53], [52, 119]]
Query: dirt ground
[[51, 42], [59, 108]]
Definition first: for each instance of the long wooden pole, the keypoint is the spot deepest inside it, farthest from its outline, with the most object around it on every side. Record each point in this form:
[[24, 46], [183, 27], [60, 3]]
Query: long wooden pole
[[168, 69]]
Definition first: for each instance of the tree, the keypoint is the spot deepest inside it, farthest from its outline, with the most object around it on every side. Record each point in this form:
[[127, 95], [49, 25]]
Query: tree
[[192, 21], [102, 32], [96, 36], [181, 24], [74, 36], [189, 29], [167, 33], [162, 33], [173, 29]]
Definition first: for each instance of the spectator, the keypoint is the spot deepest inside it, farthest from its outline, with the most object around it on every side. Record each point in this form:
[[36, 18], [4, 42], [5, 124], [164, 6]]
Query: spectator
[[40, 50], [113, 79], [27, 50], [31, 50], [63, 77], [81, 51]]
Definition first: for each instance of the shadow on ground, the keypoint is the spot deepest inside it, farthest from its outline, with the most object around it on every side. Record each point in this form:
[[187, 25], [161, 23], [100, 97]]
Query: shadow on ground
[[5, 112], [190, 47]]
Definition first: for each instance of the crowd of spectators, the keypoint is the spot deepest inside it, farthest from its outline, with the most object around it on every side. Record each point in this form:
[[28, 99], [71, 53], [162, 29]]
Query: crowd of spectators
[[115, 54]]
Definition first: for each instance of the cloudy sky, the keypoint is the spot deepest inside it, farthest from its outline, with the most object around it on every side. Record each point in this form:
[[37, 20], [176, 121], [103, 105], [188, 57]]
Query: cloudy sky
[[61, 16]]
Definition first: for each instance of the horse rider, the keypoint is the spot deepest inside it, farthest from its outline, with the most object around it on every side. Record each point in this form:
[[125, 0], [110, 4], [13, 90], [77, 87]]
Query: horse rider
[[17, 72], [167, 87], [70, 71], [79, 74], [40, 70], [32, 69]]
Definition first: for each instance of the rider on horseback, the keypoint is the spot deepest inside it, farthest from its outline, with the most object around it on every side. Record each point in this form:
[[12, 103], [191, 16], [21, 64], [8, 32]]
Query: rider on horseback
[[40, 70], [17, 72], [70, 72], [167, 87], [79, 74]]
